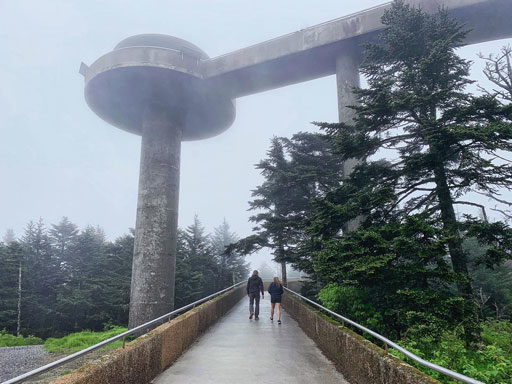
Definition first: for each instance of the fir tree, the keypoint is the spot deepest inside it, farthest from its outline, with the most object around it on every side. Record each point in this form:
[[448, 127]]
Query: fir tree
[[11, 273], [199, 255], [41, 281], [232, 265], [9, 236], [444, 141], [188, 283], [296, 171]]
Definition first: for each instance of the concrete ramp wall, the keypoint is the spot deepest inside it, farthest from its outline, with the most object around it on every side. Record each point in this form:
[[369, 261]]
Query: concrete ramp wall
[[360, 361], [142, 360]]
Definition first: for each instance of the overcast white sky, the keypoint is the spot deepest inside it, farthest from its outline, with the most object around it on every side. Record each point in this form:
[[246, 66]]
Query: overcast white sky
[[57, 158]]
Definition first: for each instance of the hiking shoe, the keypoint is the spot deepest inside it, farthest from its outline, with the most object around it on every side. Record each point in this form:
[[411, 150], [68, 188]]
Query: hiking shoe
[[279, 322], [251, 315]]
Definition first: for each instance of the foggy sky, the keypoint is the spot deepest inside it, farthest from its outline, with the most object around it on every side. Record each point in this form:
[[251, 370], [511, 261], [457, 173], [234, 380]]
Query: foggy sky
[[58, 158]]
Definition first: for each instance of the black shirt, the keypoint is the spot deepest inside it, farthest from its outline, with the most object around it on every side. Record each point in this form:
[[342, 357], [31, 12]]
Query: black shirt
[[254, 284]]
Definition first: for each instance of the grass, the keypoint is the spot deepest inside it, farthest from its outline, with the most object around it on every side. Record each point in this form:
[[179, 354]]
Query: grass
[[80, 340], [8, 340], [70, 343]]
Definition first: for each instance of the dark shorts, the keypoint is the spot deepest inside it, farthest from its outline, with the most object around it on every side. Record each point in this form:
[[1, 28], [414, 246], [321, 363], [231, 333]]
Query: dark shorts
[[275, 300]]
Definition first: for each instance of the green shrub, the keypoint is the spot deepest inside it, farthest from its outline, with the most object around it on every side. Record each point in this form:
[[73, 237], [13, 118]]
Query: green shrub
[[491, 364], [498, 333], [351, 302], [8, 340], [80, 340]]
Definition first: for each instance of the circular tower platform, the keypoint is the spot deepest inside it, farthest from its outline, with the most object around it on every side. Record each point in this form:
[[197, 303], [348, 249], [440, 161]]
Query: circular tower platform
[[148, 71]]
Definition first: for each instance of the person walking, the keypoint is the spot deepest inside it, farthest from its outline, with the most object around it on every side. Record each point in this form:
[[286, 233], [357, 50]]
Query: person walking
[[276, 290], [254, 287]]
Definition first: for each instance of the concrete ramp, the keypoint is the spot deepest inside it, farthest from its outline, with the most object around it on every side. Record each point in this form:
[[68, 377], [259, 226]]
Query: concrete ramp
[[239, 350]]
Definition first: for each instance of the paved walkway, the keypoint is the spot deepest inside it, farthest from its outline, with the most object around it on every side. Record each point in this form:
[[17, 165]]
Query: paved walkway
[[239, 350]]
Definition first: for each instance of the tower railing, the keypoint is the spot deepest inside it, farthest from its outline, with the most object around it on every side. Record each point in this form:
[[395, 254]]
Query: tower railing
[[389, 343], [121, 336]]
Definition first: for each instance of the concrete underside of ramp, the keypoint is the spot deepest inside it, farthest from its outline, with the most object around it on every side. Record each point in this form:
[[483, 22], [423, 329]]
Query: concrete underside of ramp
[[240, 350]]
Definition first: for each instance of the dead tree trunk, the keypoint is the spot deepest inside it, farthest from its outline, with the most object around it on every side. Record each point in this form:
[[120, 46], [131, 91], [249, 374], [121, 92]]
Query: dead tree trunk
[[18, 328]]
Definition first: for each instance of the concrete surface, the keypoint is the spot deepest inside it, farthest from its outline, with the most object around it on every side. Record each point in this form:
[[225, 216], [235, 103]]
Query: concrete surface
[[154, 256], [348, 78], [300, 56], [146, 357], [358, 359], [149, 69], [312, 52], [239, 350]]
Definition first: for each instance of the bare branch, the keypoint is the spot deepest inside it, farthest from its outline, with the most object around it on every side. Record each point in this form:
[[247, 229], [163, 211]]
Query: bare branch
[[498, 70], [396, 138], [507, 215], [484, 213], [425, 201], [495, 198]]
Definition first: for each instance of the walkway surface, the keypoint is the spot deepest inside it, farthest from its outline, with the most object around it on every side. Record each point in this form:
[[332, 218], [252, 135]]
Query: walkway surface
[[239, 350]]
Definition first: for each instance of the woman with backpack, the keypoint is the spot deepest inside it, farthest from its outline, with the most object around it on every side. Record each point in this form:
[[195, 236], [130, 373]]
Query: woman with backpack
[[276, 290]]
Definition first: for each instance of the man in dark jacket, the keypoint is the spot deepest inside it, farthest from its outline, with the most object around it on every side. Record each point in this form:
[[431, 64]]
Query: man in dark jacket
[[254, 287]]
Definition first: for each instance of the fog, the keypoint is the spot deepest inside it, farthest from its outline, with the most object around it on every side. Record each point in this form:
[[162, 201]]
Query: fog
[[57, 158]]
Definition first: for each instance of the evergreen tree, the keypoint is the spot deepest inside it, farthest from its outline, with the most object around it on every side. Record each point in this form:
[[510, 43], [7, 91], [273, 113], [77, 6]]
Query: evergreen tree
[[12, 262], [498, 70], [9, 236], [296, 171], [493, 287], [106, 285], [273, 198], [444, 140], [317, 170], [392, 277], [82, 297], [199, 255], [63, 237], [265, 272], [40, 283], [117, 271], [232, 265], [188, 282]]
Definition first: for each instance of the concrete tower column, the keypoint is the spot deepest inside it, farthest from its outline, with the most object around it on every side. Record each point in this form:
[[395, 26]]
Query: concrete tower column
[[152, 85], [154, 257], [347, 77]]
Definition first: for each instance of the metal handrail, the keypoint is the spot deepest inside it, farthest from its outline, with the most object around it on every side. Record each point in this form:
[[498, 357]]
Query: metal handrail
[[388, 342], [123, 335]]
